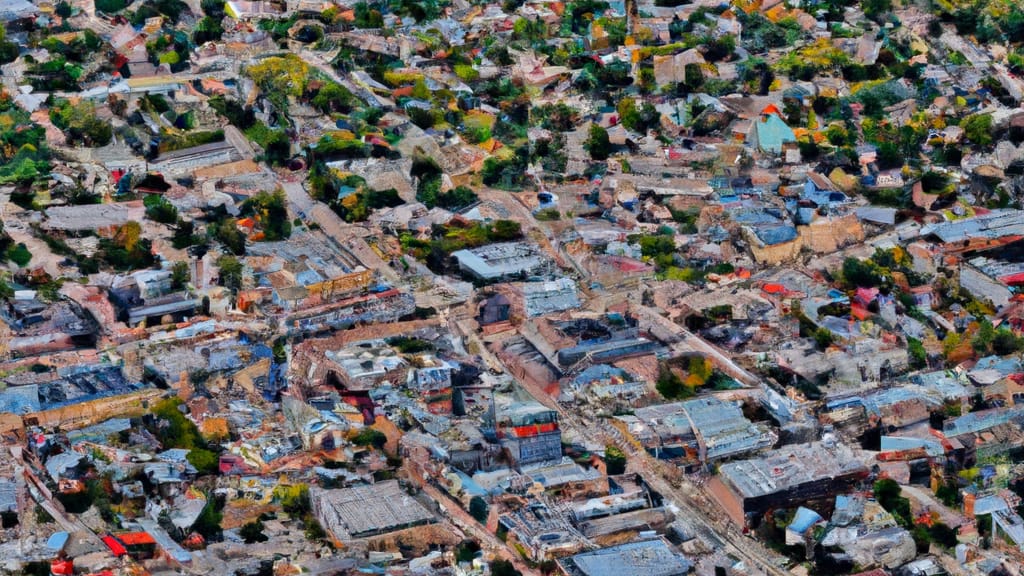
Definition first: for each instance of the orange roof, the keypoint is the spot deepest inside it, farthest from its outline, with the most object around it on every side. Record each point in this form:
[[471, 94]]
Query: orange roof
[[403, 91], [859, 312], [771, 109], [247, 223], [136, 538], [490, 145]]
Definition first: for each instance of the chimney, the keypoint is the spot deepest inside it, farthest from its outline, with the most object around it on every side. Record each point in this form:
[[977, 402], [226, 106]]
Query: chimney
[[969, 498]]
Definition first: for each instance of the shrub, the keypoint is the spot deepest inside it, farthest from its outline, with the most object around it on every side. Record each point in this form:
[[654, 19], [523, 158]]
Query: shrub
[[478, 509], [253, 532], [615, 460], [19, 254], [370, 437]]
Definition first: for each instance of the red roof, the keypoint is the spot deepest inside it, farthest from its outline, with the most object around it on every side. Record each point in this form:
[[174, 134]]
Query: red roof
[[136, 538], [859, 312], [866, 295], [403, 91], [774, 288], [62, 567], [115, 547]]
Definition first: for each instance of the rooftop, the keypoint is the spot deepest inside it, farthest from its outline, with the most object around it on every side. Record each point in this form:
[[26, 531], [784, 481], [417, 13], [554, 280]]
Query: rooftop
[[501, 260], [790, 467], [366, 510], [645, 558]]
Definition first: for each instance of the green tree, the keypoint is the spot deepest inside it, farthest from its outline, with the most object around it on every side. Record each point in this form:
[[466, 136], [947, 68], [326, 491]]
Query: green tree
[[982, 341], [978, 128], [228, 234], [252, 532], [629, 116], [670, 385], [208, 522], [230, 272], [184, 235], [19, 254], [505, 230], [420, 90], [823, 338], [504, 568], [950, 343], [916, 352], [467, 550], [366, 17], [333, 97], [875, 9], [615, 460], [693, 77], [159, 209], [646, 80], [207, 30], [456, 198], [860, 274], [597, 143], [888, 494], [178, 431], [1006, 342], [294, 499], [180, 275], [369, 437], [478, 509], [205, 461], [8, 50], [270, 210]]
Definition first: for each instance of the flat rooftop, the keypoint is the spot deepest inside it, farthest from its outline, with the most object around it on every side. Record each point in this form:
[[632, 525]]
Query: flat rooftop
[[789, 467], [92, 216], [367, 510], [500, 260], [645, 558]]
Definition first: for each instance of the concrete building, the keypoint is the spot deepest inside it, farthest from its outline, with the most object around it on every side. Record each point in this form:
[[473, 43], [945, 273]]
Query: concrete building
[[500, 261], [529, 431], [363, 511], [698, 431], [785, 477], [644, 558]]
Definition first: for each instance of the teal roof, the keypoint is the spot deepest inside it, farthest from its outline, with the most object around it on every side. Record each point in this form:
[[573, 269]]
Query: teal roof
[[772, 133]]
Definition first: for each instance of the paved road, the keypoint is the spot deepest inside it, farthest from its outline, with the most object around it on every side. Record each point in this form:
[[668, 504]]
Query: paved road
[[698, 344], [711, 522], [239, 141], [467, 523]]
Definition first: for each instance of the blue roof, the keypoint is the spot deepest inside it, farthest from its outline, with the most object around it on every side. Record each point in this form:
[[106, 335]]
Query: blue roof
[[803, 520], [755, 216], [57, 541], [776, 234], [772, 133], [600, 372]]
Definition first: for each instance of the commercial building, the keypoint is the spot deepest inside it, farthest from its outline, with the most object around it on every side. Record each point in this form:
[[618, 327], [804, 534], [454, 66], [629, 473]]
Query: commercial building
[[698, 431], [529, 431], [786, 477], [500, 261], [644, 558], [363, 511]]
